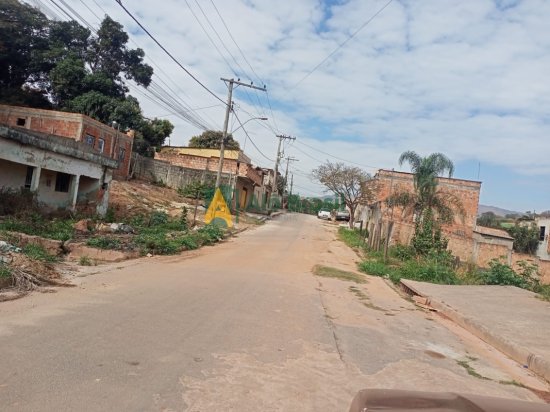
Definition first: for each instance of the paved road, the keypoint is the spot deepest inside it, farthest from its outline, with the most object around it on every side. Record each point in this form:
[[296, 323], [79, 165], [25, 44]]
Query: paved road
[[243, 326]]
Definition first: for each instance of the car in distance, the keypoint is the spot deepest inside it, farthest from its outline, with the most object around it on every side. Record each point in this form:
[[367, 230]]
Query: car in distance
[[342, 215], [323, 214]]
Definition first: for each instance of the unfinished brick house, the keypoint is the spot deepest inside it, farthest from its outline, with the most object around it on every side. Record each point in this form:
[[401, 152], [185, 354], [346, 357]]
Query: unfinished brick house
[[62, 173], [100, 137], [247, 181], [471, 243]]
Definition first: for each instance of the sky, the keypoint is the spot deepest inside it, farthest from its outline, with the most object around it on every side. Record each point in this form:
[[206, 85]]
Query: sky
[[467, 78]]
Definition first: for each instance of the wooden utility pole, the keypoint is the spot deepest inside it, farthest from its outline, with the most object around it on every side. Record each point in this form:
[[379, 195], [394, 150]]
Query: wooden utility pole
[[228, 110], [277, 159]]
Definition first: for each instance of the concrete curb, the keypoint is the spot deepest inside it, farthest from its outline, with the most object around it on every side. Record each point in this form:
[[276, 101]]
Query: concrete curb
[[536, 363]]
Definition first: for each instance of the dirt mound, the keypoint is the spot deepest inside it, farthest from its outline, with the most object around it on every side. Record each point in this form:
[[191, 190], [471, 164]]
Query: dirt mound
[[135, 197]]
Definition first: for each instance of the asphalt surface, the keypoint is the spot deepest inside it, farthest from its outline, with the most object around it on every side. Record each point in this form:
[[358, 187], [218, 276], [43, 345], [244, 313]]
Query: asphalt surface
[[242, 326]]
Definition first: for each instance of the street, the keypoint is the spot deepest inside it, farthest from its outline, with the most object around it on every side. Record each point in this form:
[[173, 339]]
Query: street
[[243, 326]]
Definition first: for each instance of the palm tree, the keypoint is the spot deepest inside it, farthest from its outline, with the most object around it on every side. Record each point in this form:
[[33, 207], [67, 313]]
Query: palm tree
[[429, 205]]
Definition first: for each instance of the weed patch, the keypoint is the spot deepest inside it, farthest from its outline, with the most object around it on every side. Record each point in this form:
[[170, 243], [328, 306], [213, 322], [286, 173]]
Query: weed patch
[[471, 371], [86, 261], [363, 297], [104, 242], [330, 272], [37, 252], [374, 268], [352, 238], [5, 271], [58, 229]]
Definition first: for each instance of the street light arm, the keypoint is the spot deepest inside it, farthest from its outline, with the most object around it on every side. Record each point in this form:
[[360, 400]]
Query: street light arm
[[252, 118]]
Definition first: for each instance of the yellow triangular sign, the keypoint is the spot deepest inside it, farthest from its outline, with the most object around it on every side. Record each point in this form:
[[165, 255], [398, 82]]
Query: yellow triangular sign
[[218, 210]]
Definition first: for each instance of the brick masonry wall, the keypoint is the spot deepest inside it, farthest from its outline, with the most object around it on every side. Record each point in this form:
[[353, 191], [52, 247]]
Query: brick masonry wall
[[73, 126], [488, 251], [544, 265]]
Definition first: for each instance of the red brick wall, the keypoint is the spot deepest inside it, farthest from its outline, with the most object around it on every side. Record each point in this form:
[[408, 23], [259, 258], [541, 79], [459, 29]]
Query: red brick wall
[[389, 182], [544, 265]]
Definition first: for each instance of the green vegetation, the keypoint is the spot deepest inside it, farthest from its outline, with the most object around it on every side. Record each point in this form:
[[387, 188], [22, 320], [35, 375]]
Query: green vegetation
[[104, 242], [62, 65], [35, 224], [352, 238], [526, 237], [196, 190], [432, 207], [471, 371], [37, 252], [5, 271], [363, 297], [330, 272], [212, 139], [375, 268], [86, 261]]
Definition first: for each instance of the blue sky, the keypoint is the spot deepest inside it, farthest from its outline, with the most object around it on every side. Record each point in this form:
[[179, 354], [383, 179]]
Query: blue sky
[[468, 78]]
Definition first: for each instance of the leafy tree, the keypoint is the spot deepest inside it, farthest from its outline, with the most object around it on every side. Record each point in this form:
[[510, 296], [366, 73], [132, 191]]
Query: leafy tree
[[212, 139], [526, 238], [23, 35], [488, 219], [347, 182], [430, 206]]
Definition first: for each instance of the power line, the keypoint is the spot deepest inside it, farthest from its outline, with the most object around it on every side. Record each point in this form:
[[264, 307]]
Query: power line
[[343, 43], [336, 157], [249, 138], [168, 53]]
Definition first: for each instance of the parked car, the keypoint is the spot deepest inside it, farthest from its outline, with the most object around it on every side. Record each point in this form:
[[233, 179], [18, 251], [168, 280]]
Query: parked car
[[342, 215], [323, 214]]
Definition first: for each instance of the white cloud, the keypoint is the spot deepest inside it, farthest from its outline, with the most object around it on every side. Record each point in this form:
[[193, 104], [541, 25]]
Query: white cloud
[[465, 77]]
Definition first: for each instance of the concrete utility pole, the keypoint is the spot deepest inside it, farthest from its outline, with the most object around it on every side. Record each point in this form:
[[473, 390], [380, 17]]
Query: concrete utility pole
[[288, 160], [228, 110], [281, 138], [291, 186]]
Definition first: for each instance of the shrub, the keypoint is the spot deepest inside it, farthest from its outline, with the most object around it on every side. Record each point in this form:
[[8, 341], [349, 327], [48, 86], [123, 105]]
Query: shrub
[[5, 271], [189, 242], [104, 242], [402, 252], [195, 190], [17, 201], [526, 238], [183, 219], [425, 270], [157, 218], [85, 261], [374, 268], [501, 274]]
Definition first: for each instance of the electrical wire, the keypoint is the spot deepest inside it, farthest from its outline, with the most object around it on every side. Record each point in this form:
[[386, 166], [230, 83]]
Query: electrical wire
[[336, 157], [343, 43], [168, 53], [249, 138]]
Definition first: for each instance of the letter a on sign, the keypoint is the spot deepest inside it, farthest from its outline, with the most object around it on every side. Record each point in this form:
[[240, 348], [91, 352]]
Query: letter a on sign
[[218, 210]]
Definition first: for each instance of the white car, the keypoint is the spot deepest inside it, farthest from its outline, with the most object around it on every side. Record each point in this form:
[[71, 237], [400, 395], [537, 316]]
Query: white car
[[323, 214]]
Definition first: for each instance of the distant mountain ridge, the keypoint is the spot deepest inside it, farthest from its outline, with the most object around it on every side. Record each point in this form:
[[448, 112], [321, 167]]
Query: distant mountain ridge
[[496, 210]]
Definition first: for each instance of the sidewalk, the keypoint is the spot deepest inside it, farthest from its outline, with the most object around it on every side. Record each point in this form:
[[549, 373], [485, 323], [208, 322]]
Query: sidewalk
[[510, 319]]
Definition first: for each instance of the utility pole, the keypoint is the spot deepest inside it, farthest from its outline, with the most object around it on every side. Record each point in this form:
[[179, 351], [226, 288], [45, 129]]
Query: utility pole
[[228, 110], [281, 138], [288, 160], [291, 186]]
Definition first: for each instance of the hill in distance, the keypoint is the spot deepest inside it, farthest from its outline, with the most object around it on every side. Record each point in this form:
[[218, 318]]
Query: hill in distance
[[496, 210]]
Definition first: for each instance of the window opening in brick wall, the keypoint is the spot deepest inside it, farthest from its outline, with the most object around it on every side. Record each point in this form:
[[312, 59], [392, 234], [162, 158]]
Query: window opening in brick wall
[[542, 233], [62, 182], [90, 140], [121, 153], [101, 145], [28, 177], [21, 121]]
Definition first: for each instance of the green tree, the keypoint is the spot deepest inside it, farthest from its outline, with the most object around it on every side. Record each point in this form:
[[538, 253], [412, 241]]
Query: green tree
[[212, 139], [488, 219], [429, 205], [23, 37], [347, 182], [526, 237]]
